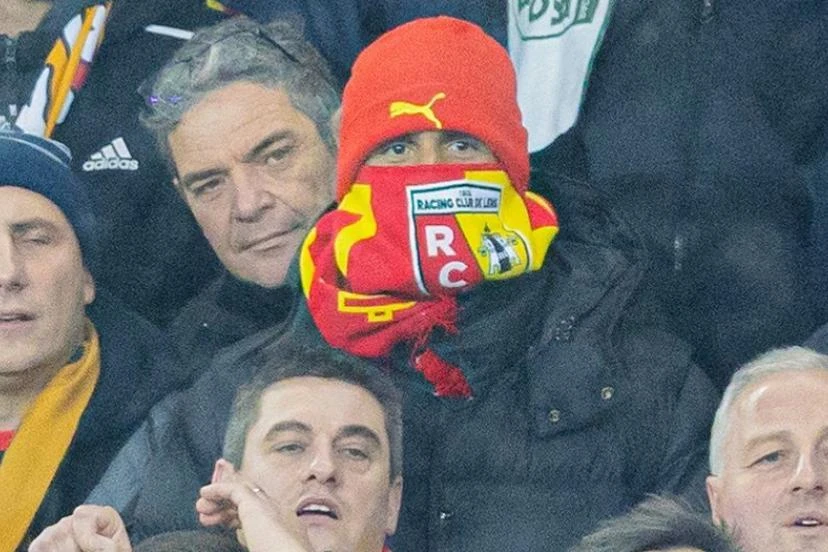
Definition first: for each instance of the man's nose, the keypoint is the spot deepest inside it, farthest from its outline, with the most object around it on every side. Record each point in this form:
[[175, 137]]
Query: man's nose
[[431, 154], [251, 193], [322, 466], [12, 273], [811, 473]]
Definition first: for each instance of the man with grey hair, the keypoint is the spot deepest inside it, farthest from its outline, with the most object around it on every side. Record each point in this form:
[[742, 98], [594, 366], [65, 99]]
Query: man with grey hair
[[243, 114], [769, 453]]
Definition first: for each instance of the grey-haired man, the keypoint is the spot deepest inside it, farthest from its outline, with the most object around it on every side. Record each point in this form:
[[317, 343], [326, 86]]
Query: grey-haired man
[[769, 453], [243, 115], [243, 112]]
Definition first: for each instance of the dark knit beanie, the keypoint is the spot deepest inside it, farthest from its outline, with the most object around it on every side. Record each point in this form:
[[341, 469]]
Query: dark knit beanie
[[42, 166], [436, 73]]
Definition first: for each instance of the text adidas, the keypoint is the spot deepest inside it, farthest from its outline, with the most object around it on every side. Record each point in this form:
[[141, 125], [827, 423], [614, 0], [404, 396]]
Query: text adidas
[[111, 164]]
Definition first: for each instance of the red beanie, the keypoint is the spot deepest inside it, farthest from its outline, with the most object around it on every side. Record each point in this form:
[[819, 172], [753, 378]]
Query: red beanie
[[437, 73]]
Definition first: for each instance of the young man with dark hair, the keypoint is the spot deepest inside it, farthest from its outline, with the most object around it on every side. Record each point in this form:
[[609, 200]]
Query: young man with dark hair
[[312, 462]]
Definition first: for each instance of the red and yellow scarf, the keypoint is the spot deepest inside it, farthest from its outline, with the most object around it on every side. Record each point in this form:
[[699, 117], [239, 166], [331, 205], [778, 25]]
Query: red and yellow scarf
[[64, 72], [386, 266]]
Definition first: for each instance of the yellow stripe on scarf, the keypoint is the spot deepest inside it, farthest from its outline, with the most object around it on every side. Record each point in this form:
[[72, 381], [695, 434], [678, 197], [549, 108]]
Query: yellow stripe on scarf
[[65, 71], [31, 462], [216, 5]]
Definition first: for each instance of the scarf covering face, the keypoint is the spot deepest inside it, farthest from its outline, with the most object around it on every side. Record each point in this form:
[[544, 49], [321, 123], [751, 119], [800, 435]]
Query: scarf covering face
[[42, 439], [386, 266]]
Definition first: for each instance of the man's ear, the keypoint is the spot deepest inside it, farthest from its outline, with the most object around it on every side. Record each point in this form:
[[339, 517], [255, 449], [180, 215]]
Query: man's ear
[[336, 119], [177, 185], [223, 470], [713, 485], [88, 287], [394, 504]]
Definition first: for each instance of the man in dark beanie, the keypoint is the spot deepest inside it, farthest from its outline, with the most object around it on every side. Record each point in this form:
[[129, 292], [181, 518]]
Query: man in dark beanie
[[73, 384]]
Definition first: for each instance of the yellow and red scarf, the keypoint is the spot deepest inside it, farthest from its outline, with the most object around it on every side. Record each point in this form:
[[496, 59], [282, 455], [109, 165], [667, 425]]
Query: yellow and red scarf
[[65, 71], [41, 441], [386, 266]]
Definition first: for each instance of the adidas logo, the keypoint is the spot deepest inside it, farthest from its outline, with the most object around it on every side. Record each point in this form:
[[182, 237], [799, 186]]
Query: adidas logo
[[113, 156]]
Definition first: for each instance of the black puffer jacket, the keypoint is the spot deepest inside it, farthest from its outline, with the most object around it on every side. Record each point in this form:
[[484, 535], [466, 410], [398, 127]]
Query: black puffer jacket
[[154, 480], [583, 403], [703, 120], [223, 313]]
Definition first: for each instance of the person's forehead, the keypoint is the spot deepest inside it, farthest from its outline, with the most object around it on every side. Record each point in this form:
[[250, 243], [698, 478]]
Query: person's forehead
[[234, 119], [441, 135], [780, 401], [321, 403], [19, 204], [245, 101]]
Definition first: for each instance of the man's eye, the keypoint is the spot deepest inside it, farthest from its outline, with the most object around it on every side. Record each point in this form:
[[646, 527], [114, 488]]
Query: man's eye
[[354, 453], [278, 155], [289, 448], [394, 148], [37, 239], [769, 459], [395, 152], [467, 144], [206, 187]]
